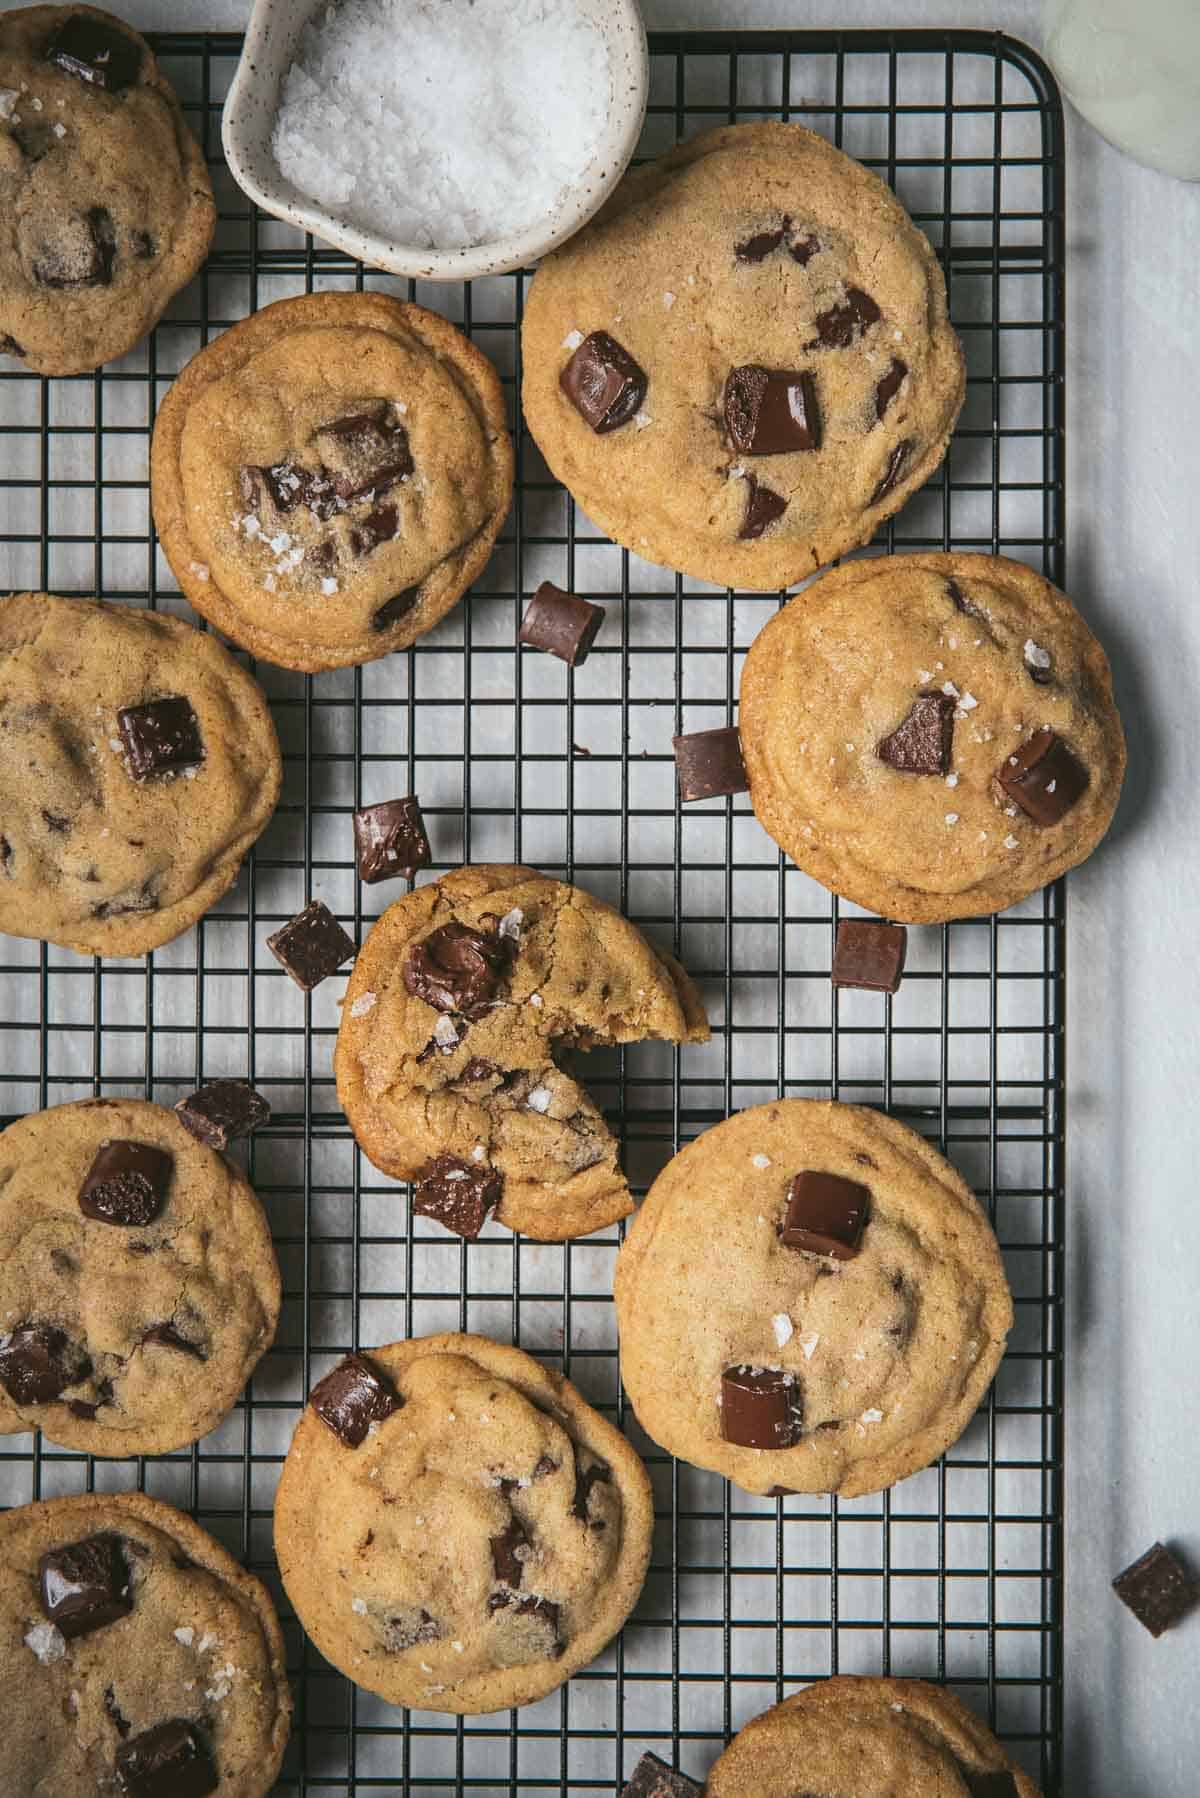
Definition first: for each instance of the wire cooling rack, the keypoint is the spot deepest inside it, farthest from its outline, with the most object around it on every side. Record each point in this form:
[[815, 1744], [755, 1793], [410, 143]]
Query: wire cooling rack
[[957, 1573]]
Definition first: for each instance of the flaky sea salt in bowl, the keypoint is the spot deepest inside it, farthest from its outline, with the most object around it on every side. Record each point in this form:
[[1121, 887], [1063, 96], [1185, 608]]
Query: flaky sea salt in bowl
[[440, 139]]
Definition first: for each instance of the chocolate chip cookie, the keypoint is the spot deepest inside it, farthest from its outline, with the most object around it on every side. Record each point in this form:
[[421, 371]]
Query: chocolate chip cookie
[[744, 364], [451, 1057], [138, 1282], [329, 477], [457, 1529], [931, 736], [849, 1735], [106, 208], [136, 1656], [809, 1300], [138, 763]]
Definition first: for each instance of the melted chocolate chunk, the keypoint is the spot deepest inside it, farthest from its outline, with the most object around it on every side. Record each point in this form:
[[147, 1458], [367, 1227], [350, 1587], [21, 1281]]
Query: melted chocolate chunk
[[38, 1362], [390, 840], [763, 507], [924, 741], [459, 969], [222, 1110], [144, 246], [479, 1069], [394, 609], [120, 1721], [461, 1195], [845, 323], [771, 411], [890, 385], [561, 624], [92, 51], [137, 899], [761, 245], [85, 1585], [6, 856], [367, 452], [312, 946], [603, 383], [408, 1628], [709, 762], [379, 526], [80, 252], [960, 601], [598, 1474], [653, 1778], [869, 954], [761, 1407], [825, 1215], [1043, 777], [508, 1565], [352, 1397], [803, 249], [126, 1184], [1157, 1588], [168, 1761], [162, 737], [34, 138], [539, 1609], [897, 462], [165, 1335]]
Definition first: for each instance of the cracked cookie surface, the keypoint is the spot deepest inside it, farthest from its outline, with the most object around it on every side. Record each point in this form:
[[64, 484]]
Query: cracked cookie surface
[[775, 371], [99, 852], [850, 1735], [460, 1005], [878, 1359], [160, 1626], [878, 714], [481, 1540], [121, 1338], [106, 208], [329, 477]]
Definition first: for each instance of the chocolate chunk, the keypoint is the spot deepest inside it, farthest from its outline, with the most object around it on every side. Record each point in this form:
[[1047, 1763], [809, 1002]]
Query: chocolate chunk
[[541, 1609], [394, 609], [461, 1195], [162, 737], [165, 1335], [92, 51], [653, 1778], [136, 899], [1043, 777], [221, 1110], [603, 382], [844, 323], [897, 462], [144, 246], [763, 507], [961, 603], [761, 1407], [120, 1721], [508, 1565], [312, 946], [1157, 1588], [459, 969], [887, 389], [544, 1467], [60, 826], [709, 762], [380, 526], [37, 1363], [85, 1585], [9, 345], [825, 1215], [803, 249], [990, 1785], [479, 1069], [126, 1183], [923, 742], [771, 411], [34, 138], [869, 954], [761, 245], [561, 624], [390, 840], [408, 1628], [352, 1397], [79, 252], [79, 1407], [6, 856], [367, 452], [598, 1474], [168, 1761]]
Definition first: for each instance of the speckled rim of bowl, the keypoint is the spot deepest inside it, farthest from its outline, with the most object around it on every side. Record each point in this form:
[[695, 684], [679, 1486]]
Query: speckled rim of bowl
[[272, 38]]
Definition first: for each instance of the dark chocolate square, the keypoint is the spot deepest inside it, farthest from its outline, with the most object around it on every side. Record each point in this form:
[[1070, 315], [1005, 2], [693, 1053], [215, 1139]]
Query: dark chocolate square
[[1043, 777], [92, 51], [460, 1194], [561, 623], [221, 1110], [652, 1778], [126, 1184], [312, 946], [603, 382], [825, 1215], [390, 840], [162, 737], [168, 1761], [85, 1585], [869, 954], [709, 763], [1157, 1588], [352, 1397]]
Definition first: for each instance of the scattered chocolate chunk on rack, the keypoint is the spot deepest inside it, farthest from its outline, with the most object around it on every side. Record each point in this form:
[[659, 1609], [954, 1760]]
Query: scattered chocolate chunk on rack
[[561, 624], [456, 968], [1043, 777], [221, 1110], [924, 741], [162, 737], [312, 946], [652, 1778], [603, 383], [165, 1335], [990, 1785], [390, 840], [761, 1407], [825, 1215], [1157, 1588], [366, 452], [92, 51], [168, 1761], [85, 1585], [869, 954], [126, 1184], [763, 507], [507, 1563], [845, 322], [889, 386], [461, 1195], [771, 411], [76, 250], [709, 763], [352, 1397], [897, 462], [394, 609]]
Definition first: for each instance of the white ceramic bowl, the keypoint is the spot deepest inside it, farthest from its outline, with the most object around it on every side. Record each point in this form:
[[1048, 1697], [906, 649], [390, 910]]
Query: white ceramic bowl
[[272, 41]]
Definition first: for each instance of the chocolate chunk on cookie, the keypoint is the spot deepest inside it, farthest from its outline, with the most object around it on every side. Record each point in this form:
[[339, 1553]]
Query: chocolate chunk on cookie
[[126, 1184], [162, 737], [85, 1585], [93, 51], [459, 969], [825, 1215], [771, 411], [1044, 777], [459, 1194], [352, 1397], [761, 1407], [603, 383], [38, 1362]]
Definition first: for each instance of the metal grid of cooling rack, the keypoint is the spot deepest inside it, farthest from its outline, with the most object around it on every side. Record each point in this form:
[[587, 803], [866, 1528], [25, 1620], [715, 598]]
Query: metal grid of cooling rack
[[955, 1574]]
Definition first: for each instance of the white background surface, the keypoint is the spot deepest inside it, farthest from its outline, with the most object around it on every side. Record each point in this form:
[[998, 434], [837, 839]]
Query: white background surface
[[1133, 485]]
